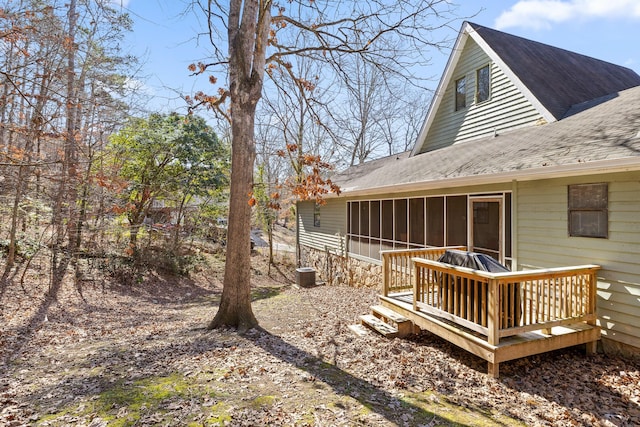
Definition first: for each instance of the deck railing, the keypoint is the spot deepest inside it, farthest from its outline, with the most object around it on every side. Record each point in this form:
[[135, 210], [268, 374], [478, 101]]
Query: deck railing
[[397, 270], [498, 305]]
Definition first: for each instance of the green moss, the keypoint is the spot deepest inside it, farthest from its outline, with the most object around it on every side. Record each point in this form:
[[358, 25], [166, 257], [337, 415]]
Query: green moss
[[435, 407], [130, 420], [134, 398], [150, 391], [365, 409], [308, 419], [52, 417], [130, 403], [220, 415], [263, 402]]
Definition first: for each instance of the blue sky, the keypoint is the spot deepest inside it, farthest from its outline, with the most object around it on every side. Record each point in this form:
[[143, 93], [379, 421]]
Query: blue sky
[[604, 29]]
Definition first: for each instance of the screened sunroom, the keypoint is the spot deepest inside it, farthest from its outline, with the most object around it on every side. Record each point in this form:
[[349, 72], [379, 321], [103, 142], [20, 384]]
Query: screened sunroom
[[481, 222]]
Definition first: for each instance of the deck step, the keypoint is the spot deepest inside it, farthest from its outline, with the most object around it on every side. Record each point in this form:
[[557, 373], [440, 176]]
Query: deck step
[[359, 329], [378, 325], [388, 313], [402, 324]]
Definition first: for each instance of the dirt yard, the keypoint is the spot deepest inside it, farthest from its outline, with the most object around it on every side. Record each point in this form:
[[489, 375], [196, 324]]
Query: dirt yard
[[139, 354]]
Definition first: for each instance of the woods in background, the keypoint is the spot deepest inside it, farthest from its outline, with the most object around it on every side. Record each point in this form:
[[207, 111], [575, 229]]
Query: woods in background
[[86, 172], [81, 166]]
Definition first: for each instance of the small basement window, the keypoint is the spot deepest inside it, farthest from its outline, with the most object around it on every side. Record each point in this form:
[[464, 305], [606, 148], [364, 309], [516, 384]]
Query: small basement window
[[461, 94], [483, 84], [588, 210]]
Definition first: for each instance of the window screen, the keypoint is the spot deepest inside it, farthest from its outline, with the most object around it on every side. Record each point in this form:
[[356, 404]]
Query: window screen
[[416, 221], [375, 219], [400, 220], [435, 221], [387, 219], [457, 220]]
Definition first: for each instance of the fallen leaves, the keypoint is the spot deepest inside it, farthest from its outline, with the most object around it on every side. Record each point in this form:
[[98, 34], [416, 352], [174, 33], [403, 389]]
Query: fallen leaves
[[94, 357]]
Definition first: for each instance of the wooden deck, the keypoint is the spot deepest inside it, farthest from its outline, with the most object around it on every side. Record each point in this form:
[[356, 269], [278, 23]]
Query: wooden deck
[[496, 316]]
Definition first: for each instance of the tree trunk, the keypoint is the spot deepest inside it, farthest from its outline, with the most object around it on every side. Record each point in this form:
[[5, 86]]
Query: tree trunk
[[135, 223], [67, 192], [248, 30], [70, 151], [11, 250], [136, 219], [270, 237], [133, 238], [235, 306], [175, 238]]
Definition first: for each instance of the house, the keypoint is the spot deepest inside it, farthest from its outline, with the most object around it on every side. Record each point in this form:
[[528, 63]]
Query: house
[[528, 153]]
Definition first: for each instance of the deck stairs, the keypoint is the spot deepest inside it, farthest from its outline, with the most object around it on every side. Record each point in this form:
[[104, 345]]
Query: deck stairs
[[385, 321]]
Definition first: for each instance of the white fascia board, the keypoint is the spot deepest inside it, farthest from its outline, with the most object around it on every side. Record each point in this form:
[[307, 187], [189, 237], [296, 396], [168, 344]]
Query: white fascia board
[[442, 87], [511, 75], [626, 164]]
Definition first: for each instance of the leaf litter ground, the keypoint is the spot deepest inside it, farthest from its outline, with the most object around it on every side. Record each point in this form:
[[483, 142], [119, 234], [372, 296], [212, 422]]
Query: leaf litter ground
[[140, 354]]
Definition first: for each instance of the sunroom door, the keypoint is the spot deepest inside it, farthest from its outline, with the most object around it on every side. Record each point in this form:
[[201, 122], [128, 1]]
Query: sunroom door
[[486, 226]]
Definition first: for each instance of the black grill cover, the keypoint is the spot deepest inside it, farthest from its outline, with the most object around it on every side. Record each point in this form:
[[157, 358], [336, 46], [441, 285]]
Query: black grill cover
[[472, 260], [453, 296]]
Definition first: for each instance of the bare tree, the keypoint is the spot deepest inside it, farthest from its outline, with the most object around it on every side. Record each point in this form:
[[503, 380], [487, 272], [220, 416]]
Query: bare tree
[[61, 84], [274, 169], [298, 110], [375, 114], [249, 36], [368, 101], [402, 129], [30, 61]]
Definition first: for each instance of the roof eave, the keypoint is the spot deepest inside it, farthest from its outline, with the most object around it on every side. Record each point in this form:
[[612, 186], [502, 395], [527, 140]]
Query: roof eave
[[626, 164]]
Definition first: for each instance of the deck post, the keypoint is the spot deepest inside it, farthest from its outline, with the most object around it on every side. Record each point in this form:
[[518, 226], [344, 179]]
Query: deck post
[[591, 347], [493, 315], [385, 274], [493, 323], [493, 369], [417, 279]]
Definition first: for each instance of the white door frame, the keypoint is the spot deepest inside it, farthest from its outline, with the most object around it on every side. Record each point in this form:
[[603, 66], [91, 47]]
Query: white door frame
[[493, 199]]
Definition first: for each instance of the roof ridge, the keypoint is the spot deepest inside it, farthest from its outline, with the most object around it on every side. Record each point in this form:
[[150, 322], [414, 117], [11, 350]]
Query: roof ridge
[[526, 40]]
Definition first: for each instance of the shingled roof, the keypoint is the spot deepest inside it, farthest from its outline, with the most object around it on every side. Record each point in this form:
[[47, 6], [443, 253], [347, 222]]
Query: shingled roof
[[603, 138], [553, 80], [557, 78]]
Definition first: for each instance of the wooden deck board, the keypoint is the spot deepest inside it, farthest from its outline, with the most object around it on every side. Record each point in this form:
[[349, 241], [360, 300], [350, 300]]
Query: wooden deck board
[[375, 323], [387, 313], [532, 343], [359, 329], [401, 323]]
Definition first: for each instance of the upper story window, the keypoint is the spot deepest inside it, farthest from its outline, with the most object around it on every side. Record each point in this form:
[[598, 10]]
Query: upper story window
[[461, 94], [316, 215], [483, 83], [588, 210]]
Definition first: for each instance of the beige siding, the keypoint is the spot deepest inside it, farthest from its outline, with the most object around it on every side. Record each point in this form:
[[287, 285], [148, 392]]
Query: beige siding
[[330, 235], [506, 108], [543, 241]]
